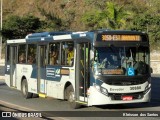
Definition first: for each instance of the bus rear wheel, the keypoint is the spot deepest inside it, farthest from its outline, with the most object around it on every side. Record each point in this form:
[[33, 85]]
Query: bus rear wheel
[[71, 97], [24, 89]]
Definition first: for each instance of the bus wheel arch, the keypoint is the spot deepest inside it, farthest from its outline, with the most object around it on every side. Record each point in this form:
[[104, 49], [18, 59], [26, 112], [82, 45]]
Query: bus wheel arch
[[24, 88], [65, 89], [70, 95]]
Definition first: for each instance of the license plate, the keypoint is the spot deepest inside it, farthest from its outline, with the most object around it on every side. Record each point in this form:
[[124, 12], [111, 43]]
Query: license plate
[[127, 98]]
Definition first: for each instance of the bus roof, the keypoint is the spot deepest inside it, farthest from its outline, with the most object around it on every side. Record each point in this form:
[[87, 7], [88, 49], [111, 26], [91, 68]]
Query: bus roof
[[118, 31], [50, 36]]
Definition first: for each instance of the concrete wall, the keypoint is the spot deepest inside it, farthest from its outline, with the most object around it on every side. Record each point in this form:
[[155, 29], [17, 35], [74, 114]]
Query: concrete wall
[[2, 62], [1, 69], [155, 62]]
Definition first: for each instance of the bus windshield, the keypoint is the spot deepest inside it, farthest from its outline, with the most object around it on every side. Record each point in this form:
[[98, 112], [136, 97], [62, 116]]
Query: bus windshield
[[118, 59]]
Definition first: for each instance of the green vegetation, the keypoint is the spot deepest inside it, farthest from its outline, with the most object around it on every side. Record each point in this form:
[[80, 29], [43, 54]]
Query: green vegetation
[[19, 27], [78, 15], [112, 17]]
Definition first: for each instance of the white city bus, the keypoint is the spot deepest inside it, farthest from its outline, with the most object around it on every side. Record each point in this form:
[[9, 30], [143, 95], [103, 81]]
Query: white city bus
[[86, 68]]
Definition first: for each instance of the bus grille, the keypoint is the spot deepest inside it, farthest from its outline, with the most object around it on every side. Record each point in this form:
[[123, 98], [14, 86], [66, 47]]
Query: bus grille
[[124, 83], [115, 96]]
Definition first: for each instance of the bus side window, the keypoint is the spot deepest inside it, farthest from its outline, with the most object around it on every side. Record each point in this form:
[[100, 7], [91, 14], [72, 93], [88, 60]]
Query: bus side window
[[22, 58], [70, 56], [22, 54], [31, 54], [67, 53], [54, 54]]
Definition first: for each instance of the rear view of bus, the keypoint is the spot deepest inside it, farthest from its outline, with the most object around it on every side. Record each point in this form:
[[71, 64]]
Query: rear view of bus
[[120, 68]]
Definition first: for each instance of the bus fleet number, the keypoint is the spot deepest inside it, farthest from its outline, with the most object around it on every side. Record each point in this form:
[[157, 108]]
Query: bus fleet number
[[135, 88]]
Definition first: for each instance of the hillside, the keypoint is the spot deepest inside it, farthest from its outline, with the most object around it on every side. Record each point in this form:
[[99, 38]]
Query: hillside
[[78, 15], [72, 11], [68, 10]]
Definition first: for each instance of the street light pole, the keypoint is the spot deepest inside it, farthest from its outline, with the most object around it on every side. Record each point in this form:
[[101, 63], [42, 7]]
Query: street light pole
[[1, 30]]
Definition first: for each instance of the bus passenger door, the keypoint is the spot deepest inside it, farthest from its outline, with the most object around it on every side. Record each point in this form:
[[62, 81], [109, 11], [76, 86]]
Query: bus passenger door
[[82, 72], [13, 61], [41, 69]]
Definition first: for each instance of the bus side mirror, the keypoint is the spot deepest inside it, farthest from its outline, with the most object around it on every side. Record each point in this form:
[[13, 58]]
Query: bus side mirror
[[151, 69]]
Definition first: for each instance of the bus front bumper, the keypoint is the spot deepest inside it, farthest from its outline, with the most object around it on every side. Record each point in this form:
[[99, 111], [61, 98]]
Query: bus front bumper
[[97, 98]]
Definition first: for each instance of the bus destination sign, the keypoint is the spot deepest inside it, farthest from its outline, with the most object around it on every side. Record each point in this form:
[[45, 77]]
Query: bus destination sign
[[105, 37]]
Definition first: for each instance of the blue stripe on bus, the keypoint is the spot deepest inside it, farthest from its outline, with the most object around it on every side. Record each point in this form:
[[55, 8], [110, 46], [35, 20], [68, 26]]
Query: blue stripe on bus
[[34, 71], [53, 73], [49, 73]]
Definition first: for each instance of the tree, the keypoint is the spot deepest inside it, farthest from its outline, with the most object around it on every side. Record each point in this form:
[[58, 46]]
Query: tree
[[18, 27], [148, 23], [93, 19], [116, 15], [53, 21], [112, 16]]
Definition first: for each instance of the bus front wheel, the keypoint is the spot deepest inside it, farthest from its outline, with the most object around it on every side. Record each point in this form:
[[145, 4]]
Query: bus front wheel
[[71, 98], [24, 89]]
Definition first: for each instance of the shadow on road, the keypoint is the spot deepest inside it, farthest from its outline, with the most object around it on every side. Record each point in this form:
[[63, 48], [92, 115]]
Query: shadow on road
[[2, 84]]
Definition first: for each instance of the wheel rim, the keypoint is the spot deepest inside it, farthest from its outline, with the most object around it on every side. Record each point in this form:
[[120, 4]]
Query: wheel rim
[[71, 97], [24, 89]]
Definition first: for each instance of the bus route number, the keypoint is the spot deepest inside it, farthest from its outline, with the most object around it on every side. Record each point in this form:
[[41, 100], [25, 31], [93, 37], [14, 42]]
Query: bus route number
[[135, 88], [110, 37]]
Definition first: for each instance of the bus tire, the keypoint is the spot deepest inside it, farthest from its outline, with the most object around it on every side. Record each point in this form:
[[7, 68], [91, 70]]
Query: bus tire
[[24, 89], [35, 95], [71, 98]]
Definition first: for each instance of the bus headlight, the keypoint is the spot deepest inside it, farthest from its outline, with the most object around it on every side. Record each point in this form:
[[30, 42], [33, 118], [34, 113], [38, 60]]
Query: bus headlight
[[101, 89], [104, 91], [147, 88]]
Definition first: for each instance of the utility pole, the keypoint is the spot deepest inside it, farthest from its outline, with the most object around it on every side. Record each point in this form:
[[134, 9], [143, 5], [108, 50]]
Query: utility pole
[[1, 30]]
